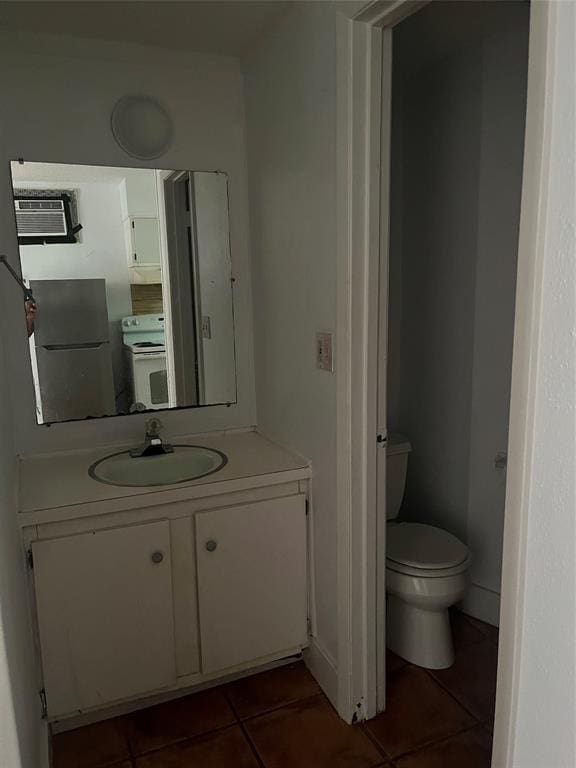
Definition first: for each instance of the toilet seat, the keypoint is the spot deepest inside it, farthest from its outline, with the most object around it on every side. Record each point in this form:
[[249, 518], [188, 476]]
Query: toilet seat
[[422, 550], [424, 573]]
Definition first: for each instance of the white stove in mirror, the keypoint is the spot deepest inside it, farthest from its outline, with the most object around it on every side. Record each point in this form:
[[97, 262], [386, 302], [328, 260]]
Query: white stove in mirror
[[145, 349]]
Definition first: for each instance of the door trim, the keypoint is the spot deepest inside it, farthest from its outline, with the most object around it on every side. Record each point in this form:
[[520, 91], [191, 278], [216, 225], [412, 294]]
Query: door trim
[[522, 437], [362, 39]]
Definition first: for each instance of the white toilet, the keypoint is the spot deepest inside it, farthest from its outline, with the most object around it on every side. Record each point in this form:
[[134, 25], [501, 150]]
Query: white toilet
[[426, 573]]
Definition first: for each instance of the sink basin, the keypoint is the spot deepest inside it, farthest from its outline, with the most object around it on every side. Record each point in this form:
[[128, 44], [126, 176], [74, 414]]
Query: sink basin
[[187, 462]]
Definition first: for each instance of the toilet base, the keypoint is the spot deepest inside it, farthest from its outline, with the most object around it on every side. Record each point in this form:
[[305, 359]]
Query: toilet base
[[422, 637]]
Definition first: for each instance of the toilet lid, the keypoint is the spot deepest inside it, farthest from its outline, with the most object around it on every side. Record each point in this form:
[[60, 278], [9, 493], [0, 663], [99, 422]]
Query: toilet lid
[[423, 546]]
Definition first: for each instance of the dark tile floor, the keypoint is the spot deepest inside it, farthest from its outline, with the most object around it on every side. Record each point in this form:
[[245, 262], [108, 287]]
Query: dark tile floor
[[280, 719]]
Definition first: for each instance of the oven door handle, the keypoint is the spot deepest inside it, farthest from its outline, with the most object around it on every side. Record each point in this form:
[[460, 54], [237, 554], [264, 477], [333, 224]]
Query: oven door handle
[[149, 356]]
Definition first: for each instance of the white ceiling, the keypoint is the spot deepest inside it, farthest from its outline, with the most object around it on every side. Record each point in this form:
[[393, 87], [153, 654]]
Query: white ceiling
[[225, 27]]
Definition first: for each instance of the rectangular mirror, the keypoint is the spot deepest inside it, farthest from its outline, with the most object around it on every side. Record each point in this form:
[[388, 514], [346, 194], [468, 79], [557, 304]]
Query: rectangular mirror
[[132, 286]]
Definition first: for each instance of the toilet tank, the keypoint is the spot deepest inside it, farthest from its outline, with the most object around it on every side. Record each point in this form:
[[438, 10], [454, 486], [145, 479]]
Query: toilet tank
[[397, 451]]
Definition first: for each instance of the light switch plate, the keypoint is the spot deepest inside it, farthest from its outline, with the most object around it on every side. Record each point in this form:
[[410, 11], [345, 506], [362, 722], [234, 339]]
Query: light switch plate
[[324, 356]]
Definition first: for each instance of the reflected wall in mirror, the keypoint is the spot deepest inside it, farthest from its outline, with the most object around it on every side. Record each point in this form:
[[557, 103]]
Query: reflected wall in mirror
[[133, 291]]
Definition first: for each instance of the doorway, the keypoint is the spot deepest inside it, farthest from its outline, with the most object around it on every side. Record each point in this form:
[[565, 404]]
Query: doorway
[[458, 109], [180, 232], [365, 92], [199, 269], [458, 122]]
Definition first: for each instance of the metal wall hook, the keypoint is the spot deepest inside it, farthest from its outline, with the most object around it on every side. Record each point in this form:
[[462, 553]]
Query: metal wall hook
[[28, 295]]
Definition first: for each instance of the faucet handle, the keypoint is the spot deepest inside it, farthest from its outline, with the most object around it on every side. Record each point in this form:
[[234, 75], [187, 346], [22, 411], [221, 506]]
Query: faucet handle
[[153, 427], [153, 444]]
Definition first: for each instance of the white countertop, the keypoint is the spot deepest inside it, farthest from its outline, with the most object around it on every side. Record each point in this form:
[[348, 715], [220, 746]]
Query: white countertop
[[58, 480]]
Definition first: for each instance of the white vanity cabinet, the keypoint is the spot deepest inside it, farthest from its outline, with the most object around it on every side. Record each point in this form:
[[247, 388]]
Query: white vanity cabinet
[[105, 615], [141, 595], [251, 581]]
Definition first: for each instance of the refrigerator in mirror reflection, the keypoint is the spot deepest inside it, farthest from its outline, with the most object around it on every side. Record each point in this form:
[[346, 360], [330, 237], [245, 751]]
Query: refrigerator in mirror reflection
[[71, 356]]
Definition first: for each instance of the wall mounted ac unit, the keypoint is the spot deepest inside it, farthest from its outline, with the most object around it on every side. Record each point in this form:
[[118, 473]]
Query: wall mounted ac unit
[[42, 220]]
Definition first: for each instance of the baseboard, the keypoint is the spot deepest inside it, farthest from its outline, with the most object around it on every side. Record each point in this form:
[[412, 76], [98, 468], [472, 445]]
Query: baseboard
[[483, 604], [323, 668]]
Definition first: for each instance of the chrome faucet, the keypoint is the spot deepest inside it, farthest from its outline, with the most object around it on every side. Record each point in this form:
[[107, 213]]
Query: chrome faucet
[[153, 444]]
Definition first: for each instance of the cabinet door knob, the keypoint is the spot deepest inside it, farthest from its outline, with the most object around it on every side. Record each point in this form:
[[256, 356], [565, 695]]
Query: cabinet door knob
[[211, 545], [157, 557]]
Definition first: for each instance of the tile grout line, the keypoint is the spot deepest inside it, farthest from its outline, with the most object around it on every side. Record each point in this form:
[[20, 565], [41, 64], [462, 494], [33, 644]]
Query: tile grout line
[[245, 733], [478, 722], [444, 687], [125, 725], [443, 740], [434, 742], [133, 756], [277, 708], [116, 763], [429, 673], [252, 746], [136, 756], [485, 636], [375, 741], [176, 743], [479, 625], [453, 697], [388, 761]]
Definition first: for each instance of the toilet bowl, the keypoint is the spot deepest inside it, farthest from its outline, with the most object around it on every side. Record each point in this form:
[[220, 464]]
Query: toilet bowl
[[426, 573]]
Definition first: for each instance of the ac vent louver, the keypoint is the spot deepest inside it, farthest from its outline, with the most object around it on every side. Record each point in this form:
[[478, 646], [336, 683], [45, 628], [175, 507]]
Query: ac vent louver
[[40, 218], [46, 216]]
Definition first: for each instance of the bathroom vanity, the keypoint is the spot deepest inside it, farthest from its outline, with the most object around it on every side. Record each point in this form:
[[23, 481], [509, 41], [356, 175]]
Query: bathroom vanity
[[142, 591]]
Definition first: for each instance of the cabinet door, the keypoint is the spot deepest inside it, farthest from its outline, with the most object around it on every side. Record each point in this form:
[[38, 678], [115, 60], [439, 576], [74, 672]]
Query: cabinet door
[[145, 242], [105, 615], [138, 194], [252, 581]]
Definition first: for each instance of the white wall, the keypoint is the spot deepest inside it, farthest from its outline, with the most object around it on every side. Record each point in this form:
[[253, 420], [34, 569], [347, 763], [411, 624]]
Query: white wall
[[503, 88], [290, 97], [58, 110], [457, 171], [545, 733], [431, 341], [101, 253], [23, 734]]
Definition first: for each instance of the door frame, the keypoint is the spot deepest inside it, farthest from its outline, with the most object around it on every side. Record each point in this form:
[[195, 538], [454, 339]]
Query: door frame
[[179, 276], [364, 37], [167, 291]]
